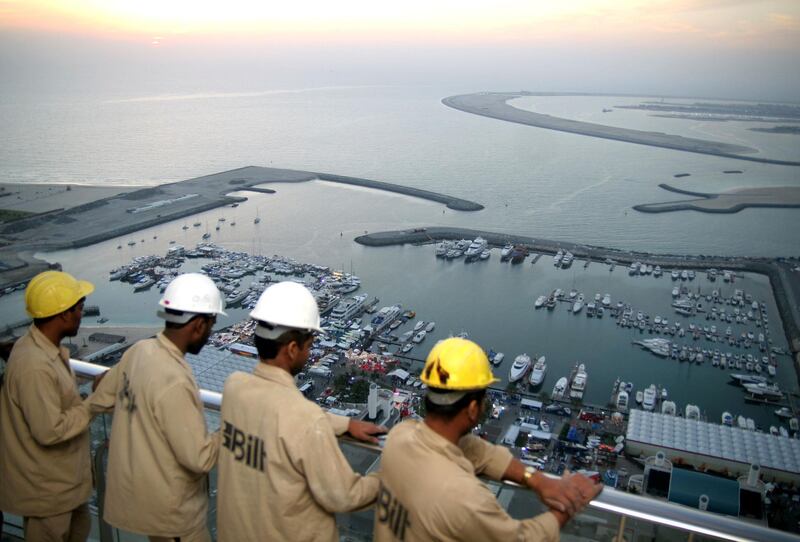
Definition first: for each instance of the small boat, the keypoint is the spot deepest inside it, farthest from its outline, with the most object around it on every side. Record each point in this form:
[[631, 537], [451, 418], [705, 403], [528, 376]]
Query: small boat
[[783, 412], [560, 387], [692, 412], [668, 408], [520, 366], [539, 303], [430, 326], [419, 337], [419, 325], [407, 348], [727, 419], [497, 359], [539, 370]]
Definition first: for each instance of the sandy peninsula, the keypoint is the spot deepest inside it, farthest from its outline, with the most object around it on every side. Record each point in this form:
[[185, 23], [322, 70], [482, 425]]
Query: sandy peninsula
[[732, 201], [495, 105]]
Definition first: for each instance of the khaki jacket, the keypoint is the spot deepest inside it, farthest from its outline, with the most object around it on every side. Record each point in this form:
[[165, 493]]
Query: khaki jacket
[[282, 475], [45, 468], [429, 491], [160, 448]]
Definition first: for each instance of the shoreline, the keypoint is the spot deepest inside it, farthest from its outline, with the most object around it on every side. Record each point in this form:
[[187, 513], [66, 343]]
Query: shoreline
[[779, 274], [89, 220], [780, 197], [495, 105]]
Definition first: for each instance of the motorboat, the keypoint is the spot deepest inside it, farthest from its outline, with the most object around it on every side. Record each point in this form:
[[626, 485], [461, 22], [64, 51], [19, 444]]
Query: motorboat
[[622, 401], [505, 252], [430, 326], [578, 386], [520, 366], [578, 305], [767, 391], [419, 337], [539, 370], [560, 387], [649, 399], [727, 418], [497, 359], [669, 408], [606, 300], [419, 325], [539, 303], [407, 348], [784, 412], [692, 412]]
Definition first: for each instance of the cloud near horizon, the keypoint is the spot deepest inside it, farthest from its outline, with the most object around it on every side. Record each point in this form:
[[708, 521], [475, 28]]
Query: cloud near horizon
[[702, 47]]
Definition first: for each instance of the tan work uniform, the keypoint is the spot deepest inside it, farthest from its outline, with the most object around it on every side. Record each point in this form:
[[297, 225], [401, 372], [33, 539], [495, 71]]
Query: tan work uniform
[[45, 468], [429, 491], [282, 475], [160, 449]]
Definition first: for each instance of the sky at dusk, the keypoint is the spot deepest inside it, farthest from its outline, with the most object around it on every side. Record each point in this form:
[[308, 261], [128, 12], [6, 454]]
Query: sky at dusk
[[708, 48]]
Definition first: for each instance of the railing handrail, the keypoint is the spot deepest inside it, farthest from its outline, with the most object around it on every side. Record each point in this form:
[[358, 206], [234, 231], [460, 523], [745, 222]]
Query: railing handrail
[[612, 500]]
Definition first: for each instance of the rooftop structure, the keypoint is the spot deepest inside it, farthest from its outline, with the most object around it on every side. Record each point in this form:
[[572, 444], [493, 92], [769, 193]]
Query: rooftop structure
[[715, 446]]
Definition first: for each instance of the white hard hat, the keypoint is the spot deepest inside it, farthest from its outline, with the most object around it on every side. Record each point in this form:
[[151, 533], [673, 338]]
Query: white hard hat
[[285, 306], [188, 295]]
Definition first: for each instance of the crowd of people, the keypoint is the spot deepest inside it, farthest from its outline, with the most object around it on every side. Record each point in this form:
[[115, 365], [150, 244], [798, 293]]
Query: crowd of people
[[281, 473]]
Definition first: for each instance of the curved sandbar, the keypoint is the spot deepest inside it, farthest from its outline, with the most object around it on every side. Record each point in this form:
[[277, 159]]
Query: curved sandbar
[[785, 283], [494, 105], [134, 210], [727, 202]]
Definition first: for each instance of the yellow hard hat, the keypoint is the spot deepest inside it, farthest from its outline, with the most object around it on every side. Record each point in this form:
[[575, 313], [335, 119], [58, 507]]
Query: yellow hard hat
[[457, 364], [53, 292]]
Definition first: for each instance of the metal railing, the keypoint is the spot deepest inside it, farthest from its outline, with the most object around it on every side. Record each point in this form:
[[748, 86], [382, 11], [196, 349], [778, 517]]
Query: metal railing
[[620, 503]]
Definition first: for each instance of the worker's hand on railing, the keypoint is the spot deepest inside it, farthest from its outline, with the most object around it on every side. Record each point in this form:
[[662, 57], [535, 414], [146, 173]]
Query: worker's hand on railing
[[569, 494], [365, 431]]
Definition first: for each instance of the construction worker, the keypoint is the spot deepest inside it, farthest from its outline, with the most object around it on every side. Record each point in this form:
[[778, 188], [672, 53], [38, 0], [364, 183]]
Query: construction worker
[[45, 471], [160, 450], [282, 475], [429, 490]]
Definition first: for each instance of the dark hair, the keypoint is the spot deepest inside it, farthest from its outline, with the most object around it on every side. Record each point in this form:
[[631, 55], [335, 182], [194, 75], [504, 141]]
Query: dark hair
[[175, 325], [448, 412], [269, 348], [40, 321]]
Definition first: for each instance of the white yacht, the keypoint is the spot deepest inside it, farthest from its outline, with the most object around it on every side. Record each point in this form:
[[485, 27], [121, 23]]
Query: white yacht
[[622, 401], [419, 337], [498, 358], [578, 385], [430, 326], [692, 412], [506, 251], [767, 391], [539, 303], [669, 408], [476, 248], [539, 369], [560, 387], [649, 399], [419, 325], [348, 308], [443, 248], [520, 366], [606, 300], [578, 305]]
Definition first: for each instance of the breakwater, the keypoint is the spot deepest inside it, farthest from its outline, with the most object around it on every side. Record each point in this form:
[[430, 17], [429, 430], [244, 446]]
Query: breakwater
[[494, 105], [106, 218], [784, 283]]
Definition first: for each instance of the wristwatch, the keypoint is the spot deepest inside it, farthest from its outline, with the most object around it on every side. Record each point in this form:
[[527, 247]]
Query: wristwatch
[[529, 472]]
